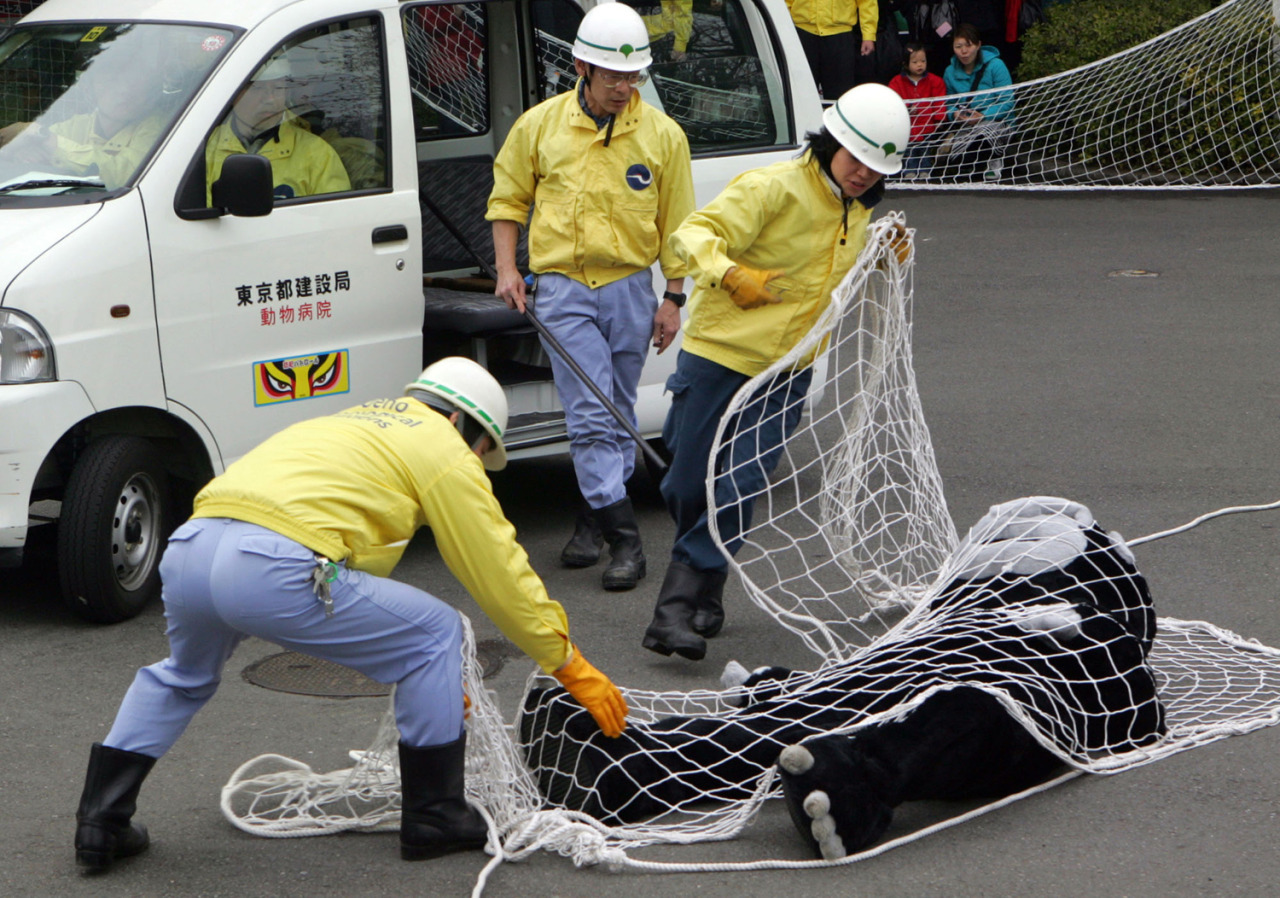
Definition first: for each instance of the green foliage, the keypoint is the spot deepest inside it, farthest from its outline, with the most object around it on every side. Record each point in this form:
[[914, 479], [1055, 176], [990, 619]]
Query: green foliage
[[1204, 106], [1084, 31]]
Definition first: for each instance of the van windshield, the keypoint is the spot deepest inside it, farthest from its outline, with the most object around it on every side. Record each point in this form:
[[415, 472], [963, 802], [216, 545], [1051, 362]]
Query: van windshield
[[83, 105]]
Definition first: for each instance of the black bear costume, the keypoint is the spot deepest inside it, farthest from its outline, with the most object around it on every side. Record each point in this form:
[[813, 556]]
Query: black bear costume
[[1043, 615]]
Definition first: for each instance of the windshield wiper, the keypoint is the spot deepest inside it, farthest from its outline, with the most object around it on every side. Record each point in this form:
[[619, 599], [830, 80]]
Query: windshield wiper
[[41, 183]]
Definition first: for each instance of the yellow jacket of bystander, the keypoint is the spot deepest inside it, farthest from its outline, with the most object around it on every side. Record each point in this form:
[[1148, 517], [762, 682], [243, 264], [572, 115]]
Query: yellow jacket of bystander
[[600, 213]]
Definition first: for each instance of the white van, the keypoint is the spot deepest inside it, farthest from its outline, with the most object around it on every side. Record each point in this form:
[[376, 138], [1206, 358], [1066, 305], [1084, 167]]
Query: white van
[[148, 338]]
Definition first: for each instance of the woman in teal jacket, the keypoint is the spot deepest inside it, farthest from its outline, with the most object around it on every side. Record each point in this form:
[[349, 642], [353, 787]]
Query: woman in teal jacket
[[981, 124]]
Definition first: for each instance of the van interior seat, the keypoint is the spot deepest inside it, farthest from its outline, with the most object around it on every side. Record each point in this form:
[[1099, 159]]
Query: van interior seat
[[459, 187]]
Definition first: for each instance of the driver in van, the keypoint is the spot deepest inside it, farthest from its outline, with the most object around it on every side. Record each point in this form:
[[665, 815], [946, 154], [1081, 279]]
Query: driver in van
[[608, 179], [302, 164], [112, 140], [294, 543]]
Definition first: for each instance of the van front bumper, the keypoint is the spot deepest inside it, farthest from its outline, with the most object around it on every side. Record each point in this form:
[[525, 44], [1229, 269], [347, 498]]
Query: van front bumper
[[33, 417]]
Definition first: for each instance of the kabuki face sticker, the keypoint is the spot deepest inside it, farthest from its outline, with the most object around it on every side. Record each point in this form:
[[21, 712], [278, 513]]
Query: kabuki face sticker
[[639, 177], [301, 377]]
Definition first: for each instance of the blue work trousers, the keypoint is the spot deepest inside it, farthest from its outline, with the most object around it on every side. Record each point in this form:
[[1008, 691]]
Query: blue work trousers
[[701, 391], [607, 331], [225, 580]]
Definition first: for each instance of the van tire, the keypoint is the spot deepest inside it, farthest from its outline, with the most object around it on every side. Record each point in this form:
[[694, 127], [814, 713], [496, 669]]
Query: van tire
[[116, 514]]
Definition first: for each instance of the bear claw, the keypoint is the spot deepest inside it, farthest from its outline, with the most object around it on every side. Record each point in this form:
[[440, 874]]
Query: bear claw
[[796, 759]]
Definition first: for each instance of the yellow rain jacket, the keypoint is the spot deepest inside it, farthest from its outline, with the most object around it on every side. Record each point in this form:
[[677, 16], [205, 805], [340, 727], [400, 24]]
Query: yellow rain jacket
[[674, 17], [117, 157], [600, 213], [783, 217], [355, 487], [824, 17], [299, 160]]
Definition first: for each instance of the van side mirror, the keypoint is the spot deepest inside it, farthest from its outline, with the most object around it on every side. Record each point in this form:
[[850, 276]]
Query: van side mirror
[[245, 186]]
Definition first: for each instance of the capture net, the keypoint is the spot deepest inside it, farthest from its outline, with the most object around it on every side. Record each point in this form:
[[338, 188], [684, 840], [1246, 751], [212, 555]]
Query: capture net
[[849, 546], [1198, 106]]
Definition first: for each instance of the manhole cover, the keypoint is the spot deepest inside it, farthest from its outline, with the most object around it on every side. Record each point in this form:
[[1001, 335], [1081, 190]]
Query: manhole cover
[[303, 675], [493, 654]]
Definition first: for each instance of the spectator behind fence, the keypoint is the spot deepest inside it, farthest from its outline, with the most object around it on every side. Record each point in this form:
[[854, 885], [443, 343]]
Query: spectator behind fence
[[980, 126], [931, 24], [917, 83], [839, 40]]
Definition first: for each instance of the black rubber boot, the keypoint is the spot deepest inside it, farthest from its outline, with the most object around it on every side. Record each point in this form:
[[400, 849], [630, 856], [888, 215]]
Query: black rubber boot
[[583, 548], [104, 827], [671, 629], [622, 533], [435, 818], [708, 616]]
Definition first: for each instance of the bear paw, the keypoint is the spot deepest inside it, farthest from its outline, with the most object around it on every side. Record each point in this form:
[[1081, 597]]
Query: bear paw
[[833, 797]]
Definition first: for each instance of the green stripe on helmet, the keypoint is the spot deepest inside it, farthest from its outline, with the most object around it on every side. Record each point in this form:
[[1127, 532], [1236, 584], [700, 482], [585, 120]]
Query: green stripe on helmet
[[626, 49], [444, 388], [889, 148]]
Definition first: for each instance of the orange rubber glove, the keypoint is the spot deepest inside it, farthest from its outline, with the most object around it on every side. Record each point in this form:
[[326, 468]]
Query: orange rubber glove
[[749, 287], [595, 692]]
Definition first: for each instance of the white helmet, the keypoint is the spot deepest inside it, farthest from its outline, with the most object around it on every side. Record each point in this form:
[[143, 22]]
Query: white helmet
[[472, 390], [273, 69], [614, 37], [872, 123]]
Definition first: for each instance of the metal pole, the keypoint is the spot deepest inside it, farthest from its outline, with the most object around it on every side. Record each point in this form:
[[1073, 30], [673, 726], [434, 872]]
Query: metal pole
[[649, 451]]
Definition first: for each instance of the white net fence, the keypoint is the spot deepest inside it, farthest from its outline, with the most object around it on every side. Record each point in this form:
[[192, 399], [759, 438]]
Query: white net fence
[[850, 547], [1196, 107]]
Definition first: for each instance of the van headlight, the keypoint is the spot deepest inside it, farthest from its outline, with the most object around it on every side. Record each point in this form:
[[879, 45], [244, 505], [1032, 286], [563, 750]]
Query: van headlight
[[26, 355]]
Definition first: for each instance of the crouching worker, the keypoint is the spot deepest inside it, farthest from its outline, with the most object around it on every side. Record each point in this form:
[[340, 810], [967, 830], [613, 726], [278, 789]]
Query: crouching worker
[[293, 544], [765, 255]]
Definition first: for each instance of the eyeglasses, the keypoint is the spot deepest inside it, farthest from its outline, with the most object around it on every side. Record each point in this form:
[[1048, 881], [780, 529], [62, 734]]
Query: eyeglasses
[[613, 79]]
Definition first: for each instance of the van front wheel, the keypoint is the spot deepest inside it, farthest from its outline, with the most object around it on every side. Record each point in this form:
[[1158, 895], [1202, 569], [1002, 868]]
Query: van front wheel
[[115, 520]]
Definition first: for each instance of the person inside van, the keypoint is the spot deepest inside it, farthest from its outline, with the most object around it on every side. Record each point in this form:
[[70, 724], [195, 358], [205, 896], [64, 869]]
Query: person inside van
[[112, 140], [302, 164]]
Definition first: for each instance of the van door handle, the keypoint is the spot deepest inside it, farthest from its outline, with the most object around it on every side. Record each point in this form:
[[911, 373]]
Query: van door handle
[[390, 234]]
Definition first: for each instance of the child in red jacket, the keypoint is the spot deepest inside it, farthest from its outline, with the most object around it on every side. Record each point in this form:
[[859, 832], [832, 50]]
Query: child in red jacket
[[915, 85]]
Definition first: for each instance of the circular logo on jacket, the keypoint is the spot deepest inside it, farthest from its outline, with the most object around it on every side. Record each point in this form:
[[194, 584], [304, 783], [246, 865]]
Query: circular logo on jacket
[[639, 177]]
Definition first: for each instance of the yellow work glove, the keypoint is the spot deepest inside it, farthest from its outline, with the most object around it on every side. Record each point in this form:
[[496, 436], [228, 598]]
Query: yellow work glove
[[899, 242], [595, 692], [749, 287]]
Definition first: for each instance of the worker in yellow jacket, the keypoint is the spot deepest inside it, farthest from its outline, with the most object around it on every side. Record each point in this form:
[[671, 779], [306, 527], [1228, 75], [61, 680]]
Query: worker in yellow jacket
[[608, 178], [293, 544], [302, 164], [839, 40], [765, 256], [112, 140]]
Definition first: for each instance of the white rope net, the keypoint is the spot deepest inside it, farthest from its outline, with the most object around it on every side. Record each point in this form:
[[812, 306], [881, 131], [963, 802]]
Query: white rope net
[[1196, 107], [850, 548], [445, 48]]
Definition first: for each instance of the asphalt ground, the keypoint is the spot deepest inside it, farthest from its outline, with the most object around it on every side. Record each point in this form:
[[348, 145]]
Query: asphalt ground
[[1151, 399]]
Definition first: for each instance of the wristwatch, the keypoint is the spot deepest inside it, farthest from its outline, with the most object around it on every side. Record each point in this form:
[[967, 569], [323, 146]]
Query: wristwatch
[[677, 298]]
